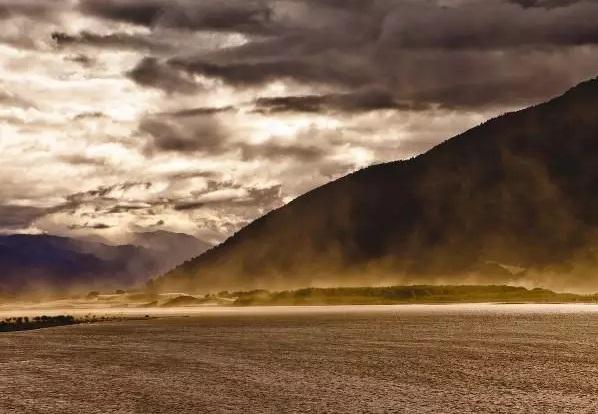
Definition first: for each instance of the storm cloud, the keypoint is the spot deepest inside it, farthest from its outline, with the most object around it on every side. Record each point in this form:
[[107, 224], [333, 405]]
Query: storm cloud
[[414, 50], [352, 102], [152, 73], [247, 16], [203, 115], [111, 40]]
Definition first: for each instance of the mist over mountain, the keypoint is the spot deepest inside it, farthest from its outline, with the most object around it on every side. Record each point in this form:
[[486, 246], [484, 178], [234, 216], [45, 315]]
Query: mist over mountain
[[170, 248], [46, 265], [511, 201]]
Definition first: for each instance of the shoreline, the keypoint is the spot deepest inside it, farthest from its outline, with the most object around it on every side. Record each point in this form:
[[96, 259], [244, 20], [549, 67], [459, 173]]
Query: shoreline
[[130, 314], [341, 299], [26, 323], [331, 296]]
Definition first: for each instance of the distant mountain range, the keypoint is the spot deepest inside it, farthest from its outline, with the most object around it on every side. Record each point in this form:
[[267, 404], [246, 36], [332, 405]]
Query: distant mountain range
[[171, 248], [514, 200], [45, 264]]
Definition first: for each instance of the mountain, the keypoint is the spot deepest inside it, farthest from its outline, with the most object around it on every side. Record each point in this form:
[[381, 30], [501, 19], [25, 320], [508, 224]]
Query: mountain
[[514, 200], [45, 264], [172, 248]]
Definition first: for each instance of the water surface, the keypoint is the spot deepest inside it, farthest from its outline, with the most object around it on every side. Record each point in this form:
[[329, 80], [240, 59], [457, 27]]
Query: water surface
[[406, 358]]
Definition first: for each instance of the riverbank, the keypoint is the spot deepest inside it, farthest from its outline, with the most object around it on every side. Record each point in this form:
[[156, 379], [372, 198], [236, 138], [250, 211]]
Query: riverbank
[[38, 322], [151, 303], [26, 323], [396, 295]]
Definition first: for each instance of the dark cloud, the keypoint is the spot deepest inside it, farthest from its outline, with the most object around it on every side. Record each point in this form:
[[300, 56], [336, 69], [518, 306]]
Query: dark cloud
[[256, 73], [546, 4], [466, 95], [199, 133], [125, 208], [139, 12], [91, 115], [34, 9], [246, 16], [489, 26], [407, 49], [202, 130], [260, 197], [192, 205], [92, 226], [200, 111], [112, 40], [152, 73], [14, 217], [373, 100], [81, 59]]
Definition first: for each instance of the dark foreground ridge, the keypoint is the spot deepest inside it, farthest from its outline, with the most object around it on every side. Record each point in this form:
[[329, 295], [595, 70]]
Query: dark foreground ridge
[[512, 201]]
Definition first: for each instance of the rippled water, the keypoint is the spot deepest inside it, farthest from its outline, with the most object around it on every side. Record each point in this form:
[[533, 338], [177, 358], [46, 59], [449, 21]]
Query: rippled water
[[440, 359]]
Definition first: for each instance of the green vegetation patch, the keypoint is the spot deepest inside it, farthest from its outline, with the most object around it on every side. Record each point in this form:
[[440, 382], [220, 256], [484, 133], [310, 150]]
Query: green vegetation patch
[[407, 294]]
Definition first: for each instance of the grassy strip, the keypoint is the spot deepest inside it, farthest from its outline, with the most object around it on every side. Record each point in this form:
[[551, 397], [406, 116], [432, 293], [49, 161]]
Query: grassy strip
[[406, 295]]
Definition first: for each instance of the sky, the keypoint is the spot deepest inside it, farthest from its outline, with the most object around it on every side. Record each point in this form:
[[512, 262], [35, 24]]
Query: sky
[[199, 116]]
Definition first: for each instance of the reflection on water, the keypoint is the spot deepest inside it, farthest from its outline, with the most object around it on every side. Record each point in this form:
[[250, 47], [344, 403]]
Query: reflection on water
[[410, 358]]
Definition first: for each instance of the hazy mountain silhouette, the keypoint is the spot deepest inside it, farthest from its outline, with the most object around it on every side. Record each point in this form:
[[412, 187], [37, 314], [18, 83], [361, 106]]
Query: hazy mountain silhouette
[[47, 264], [170, 248], [512, 200]]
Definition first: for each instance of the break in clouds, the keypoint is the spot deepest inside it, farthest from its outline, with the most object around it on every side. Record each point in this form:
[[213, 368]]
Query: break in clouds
[[199, 116]]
